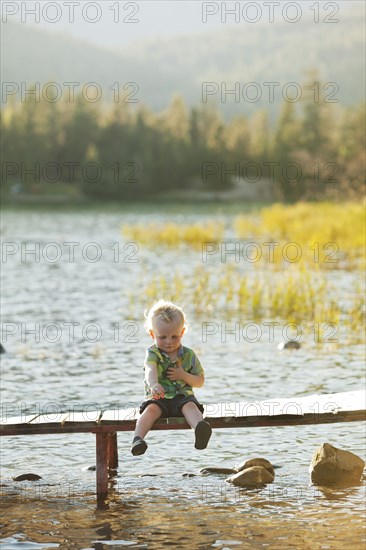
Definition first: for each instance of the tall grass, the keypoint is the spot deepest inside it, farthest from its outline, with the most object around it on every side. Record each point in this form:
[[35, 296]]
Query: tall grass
[[174, 234], [327, 234], [295, 295]]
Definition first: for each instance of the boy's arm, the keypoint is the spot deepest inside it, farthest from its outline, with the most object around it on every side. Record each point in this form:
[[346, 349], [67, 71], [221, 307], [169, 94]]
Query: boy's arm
[[151, 377], [193, 380]]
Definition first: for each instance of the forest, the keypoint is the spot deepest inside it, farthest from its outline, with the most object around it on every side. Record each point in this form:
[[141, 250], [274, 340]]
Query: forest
[[314, 150]]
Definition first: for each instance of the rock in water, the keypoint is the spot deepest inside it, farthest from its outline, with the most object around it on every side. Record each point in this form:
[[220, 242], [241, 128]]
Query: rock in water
[[291, 344], [2, 349], [256, 462], [27, 477], [334, 467], [218, 471], [255, 476]]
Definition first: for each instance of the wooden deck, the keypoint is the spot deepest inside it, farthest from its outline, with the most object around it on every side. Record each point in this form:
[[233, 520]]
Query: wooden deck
[[295, 411]]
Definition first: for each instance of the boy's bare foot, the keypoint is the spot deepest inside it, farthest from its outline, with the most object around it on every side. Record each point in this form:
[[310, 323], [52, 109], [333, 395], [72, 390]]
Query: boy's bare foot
[[138, 446], [202, 433]]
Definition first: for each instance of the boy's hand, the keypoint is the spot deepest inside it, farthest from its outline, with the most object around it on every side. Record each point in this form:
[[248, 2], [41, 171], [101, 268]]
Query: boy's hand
[[157, 391], [175, 373]]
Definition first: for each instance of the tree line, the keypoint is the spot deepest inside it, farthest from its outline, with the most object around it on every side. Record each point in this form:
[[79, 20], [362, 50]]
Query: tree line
[[314, 150]]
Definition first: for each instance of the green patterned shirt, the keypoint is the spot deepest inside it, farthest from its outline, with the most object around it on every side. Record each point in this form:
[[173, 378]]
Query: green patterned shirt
[[161, 360]]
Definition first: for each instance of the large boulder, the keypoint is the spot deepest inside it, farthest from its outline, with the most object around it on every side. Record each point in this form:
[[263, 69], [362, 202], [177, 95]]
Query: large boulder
[[256, 462], [334, 467], [255, 476]]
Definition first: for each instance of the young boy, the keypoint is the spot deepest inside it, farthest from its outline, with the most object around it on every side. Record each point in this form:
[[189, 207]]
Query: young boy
[[171, 371]]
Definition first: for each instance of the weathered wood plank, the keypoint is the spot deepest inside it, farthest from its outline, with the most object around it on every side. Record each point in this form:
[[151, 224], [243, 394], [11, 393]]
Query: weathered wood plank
[[180, 423], [314, 409], [15, 420], [48, 428], [50, 418], [83, 416], [124, 414], [312, 404]]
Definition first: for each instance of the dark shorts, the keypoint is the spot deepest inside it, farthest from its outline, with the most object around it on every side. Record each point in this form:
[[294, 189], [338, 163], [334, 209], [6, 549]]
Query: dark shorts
[[172, 407]]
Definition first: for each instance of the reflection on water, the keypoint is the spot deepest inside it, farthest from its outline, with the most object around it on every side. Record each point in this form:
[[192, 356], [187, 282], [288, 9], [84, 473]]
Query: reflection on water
[[152, 503], [160, 514]]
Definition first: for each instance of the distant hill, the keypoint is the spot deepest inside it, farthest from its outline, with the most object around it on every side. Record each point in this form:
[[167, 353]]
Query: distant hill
[[163, 67]]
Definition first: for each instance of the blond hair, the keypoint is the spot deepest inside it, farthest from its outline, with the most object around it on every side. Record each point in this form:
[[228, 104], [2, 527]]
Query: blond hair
[[164, 311]]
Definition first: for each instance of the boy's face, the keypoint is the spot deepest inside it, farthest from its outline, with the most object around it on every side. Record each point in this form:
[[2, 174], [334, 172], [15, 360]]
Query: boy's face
[[167, 335]]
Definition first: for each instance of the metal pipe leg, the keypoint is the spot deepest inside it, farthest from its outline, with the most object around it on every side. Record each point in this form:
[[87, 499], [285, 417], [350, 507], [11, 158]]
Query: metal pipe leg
[[112, 451], [102, 451]]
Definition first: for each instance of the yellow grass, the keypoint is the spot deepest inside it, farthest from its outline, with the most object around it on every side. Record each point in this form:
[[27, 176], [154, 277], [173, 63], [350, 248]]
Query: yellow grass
[[319, 235], [327, 234], [293, 295], [174, 234]]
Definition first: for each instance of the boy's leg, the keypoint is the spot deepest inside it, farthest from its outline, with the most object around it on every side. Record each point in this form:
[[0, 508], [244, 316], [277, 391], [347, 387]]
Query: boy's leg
[[192, 414], [202, 429], [149, 416], [146, 421]]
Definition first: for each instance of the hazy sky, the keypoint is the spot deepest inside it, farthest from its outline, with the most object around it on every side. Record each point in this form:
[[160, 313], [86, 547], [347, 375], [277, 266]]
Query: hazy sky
[[121, 22]]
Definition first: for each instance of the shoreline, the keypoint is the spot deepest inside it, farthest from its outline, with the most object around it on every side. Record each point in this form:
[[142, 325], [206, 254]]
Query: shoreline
[[215, 202]]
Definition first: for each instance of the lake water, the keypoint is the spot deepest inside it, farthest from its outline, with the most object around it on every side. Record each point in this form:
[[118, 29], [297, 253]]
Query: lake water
[[75, 339]]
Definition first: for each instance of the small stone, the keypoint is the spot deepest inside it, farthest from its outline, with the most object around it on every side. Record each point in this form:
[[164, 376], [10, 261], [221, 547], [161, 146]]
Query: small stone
[[187, 474], [225, 471], [291, 344], [334, 467], [256, 476], [256, 462], [27, 477]]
